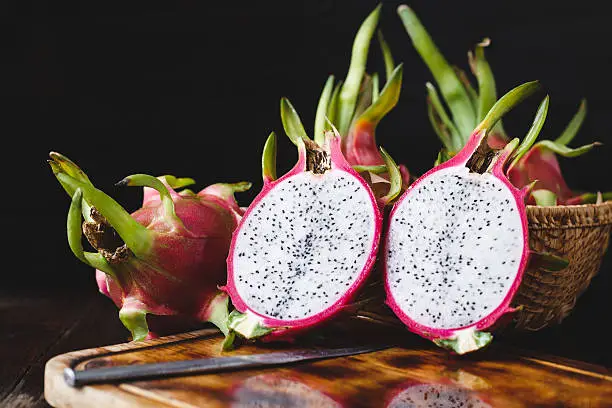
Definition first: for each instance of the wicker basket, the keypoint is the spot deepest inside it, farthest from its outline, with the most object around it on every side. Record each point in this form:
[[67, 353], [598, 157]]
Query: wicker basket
[[579, 233]]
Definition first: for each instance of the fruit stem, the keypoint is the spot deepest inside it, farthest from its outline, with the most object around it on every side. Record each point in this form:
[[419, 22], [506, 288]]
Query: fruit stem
[[268, 159], [332, 108], [547, 261], [442, 157], [137, 238], [61, 164], [395, 178], [247, 325], [387, 100], [590, 198], [487, 94], [218, 312], [292, 123], [506, 103], [177, 182], [387, 56], [563, 150], [487, 91], [439, 128], [574, 126], [527, 189], [352, 83], [533, 132], [453, 91], [375, 87], [544, 198], [469, 88], [454, 142], [465, 341], [144, 180], [65, 165], [320, 122], [135, 320], [376, 169], [74, 232]]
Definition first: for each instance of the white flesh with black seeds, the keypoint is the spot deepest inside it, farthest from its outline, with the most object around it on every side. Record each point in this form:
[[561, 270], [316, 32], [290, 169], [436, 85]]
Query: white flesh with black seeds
[[454, 249], [304, 244], [436, 396]]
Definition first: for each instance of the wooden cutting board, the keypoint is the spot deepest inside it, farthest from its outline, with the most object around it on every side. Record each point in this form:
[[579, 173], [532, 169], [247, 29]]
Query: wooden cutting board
[[415, 372]]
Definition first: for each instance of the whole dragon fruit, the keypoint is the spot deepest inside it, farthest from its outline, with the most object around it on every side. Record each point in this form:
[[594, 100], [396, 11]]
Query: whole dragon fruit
[[539, 165], [469, 106], [160, 265], [457, 241], [356, 105], [308, 241]]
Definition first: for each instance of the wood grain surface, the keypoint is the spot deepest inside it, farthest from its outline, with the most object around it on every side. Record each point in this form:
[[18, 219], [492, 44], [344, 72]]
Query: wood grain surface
[[497, 377]]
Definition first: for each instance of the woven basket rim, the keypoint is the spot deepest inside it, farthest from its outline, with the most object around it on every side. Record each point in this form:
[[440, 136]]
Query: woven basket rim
[[570, 216], [576, 207]]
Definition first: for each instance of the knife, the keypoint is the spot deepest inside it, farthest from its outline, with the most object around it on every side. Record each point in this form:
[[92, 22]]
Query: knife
[[77, 378]]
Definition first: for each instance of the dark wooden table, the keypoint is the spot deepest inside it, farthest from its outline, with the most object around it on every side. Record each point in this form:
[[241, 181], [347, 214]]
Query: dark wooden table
[[36, 325]]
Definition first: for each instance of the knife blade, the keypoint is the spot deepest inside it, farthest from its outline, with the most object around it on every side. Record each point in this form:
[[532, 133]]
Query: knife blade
[[78, 378]]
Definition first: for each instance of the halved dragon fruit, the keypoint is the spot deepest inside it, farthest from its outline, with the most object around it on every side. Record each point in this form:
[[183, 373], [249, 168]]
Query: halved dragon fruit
[[307, 242], [162, 264], [468, 106], [457, 241]]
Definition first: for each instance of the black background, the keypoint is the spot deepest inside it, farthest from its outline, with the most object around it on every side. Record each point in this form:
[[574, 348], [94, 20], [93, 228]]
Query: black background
[[192, 88]]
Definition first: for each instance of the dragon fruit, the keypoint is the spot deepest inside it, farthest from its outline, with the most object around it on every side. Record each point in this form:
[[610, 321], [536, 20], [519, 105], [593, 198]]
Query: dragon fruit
[[457, 241], [539, 165], [268, 390], [357, 105], [437, 395], [160, 265], [468, 106], [308, 241]]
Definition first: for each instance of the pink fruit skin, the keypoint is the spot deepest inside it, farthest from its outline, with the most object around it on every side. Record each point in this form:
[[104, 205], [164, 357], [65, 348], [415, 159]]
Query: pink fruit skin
[[496, 141], [293, 327], [195, 254], [541, 165], [360, 149], [519, 195]]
